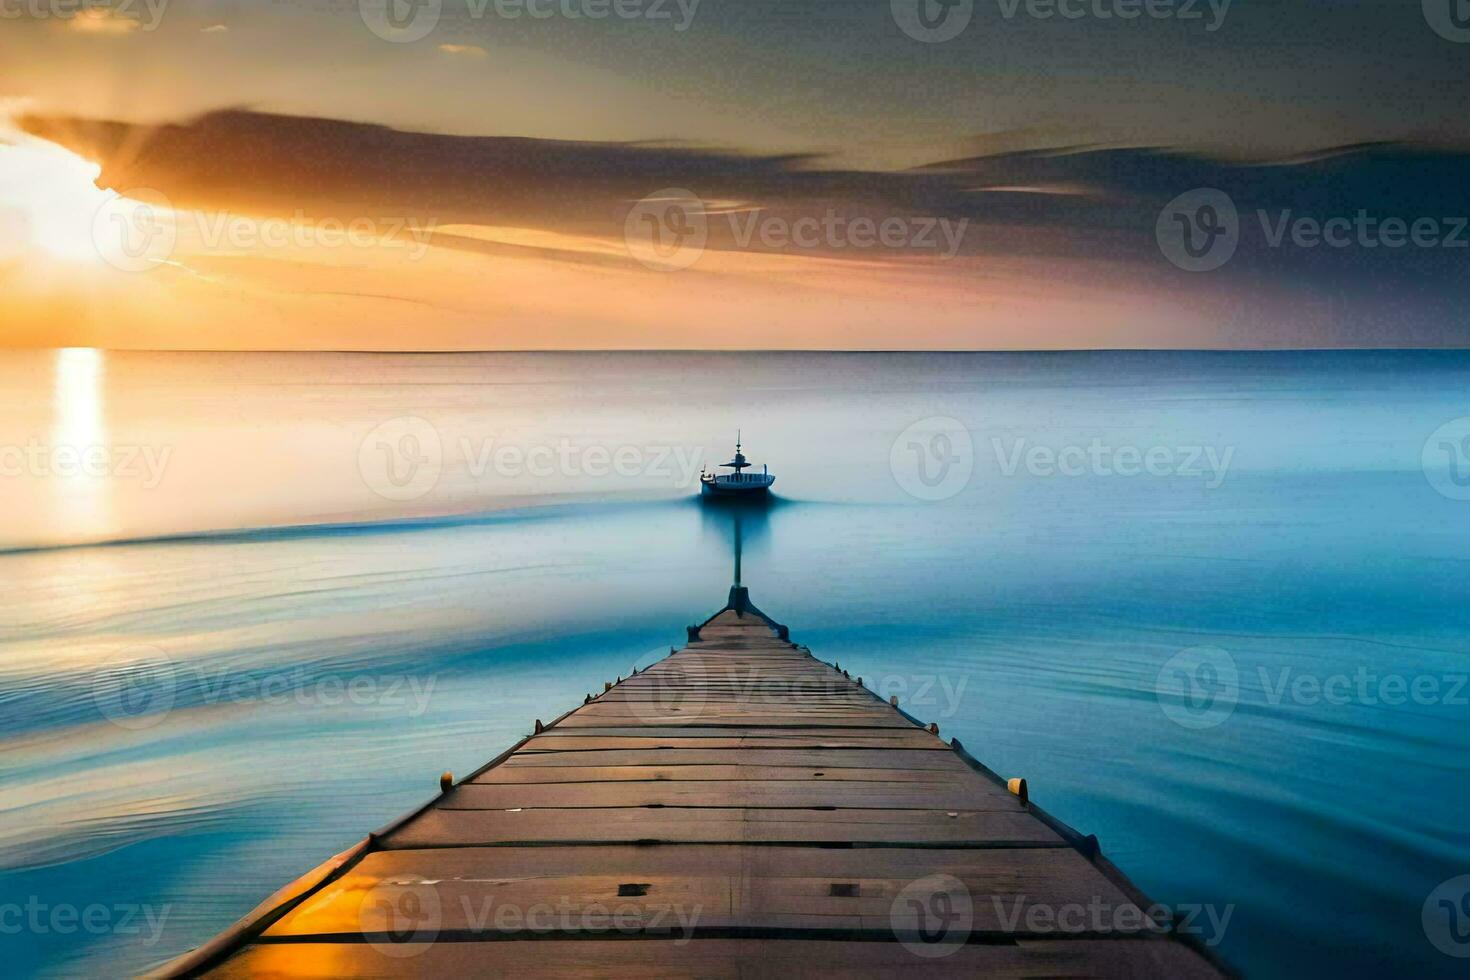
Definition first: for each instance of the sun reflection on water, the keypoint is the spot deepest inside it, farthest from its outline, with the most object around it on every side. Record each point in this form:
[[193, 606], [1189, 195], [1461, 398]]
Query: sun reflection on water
[[78, 432]]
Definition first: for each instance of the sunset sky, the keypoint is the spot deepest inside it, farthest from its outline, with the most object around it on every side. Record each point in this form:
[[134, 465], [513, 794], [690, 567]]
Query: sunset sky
[[324, 179]]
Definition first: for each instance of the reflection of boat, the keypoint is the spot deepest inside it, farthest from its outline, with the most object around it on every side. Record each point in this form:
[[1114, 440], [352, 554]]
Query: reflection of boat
[[739, 483]]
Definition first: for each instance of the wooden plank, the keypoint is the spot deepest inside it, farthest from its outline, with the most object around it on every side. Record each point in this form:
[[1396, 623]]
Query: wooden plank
[[741, 724], [987, 869], [955, 795], [683, 740], [884, 737], [913, 760], [693, 693], [693, 712], [867, 709], [705, 887], [720, 959], [910, 828], [506, 774]]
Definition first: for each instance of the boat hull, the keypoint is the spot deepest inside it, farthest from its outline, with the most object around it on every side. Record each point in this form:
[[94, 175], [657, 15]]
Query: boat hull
[[751, 489]]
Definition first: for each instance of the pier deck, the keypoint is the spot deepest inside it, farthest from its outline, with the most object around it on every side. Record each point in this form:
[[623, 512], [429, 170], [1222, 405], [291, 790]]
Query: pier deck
[[738, 809]]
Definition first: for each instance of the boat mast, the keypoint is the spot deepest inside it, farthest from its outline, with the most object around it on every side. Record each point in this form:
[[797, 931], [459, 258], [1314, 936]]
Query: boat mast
[[737, 550], [739, 462]]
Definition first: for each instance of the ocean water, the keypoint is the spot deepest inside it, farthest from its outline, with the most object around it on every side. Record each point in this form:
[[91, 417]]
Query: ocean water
[[1212, 606]]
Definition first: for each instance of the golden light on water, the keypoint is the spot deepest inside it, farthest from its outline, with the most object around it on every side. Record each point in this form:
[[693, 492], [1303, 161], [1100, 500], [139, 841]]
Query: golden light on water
[[78, 428], [77, 399]]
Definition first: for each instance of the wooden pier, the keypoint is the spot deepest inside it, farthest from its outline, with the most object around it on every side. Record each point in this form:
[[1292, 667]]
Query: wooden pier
[[738, 809]]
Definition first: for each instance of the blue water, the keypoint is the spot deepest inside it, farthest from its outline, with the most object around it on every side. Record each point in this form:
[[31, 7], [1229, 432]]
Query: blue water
[[313, 654]]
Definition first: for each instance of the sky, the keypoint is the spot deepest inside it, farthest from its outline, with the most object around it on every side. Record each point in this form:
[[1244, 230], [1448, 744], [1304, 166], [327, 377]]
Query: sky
[[485, 174]]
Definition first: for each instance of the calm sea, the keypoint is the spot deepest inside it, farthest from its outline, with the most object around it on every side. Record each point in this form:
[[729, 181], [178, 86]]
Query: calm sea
[[1212, 606]]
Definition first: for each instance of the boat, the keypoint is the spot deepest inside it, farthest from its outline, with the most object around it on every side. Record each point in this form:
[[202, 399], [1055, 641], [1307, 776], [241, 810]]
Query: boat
[[739, 483]]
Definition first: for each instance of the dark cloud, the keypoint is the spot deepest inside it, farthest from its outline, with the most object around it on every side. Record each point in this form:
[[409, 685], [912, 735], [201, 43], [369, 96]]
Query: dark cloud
[[1071, 204]]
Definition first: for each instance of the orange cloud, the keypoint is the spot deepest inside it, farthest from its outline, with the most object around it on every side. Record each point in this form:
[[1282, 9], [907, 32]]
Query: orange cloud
[[468, 50], [290, 232], [104, 20]]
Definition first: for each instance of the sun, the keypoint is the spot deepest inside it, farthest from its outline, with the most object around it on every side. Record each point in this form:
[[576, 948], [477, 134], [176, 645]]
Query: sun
[[65, 199], [50, 204]]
